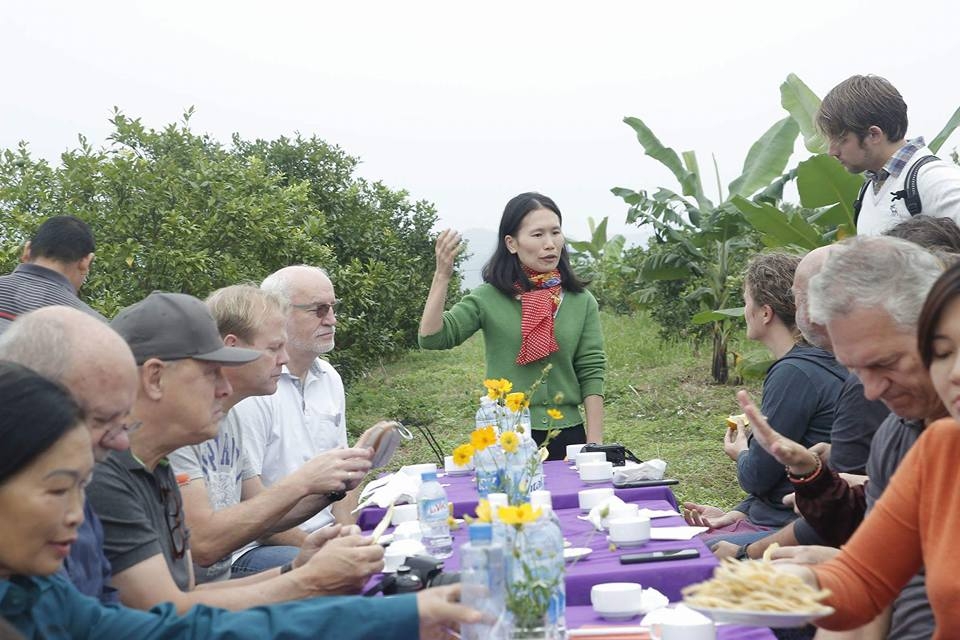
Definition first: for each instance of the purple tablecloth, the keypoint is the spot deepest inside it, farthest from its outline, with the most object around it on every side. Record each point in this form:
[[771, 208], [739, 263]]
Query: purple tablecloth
[[578, 616], [559, 477], [604, 565]]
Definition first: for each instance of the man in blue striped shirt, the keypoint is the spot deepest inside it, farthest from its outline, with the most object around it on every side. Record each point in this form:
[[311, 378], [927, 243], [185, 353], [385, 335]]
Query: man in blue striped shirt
[[56, 263]]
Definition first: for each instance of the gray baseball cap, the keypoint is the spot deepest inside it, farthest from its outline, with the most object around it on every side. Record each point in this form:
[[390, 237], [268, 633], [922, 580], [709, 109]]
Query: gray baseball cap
[[174, 326]]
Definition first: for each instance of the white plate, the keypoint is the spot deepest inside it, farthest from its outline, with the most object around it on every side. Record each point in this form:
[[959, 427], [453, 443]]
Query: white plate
[[618, 615], [761, 618], [601, 481], [575, 553], [460, 472], [628, 544]]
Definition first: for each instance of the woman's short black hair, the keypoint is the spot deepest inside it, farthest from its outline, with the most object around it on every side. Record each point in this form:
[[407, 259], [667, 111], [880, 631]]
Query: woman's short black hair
[[34, 414], [503, 268], [944, 291]]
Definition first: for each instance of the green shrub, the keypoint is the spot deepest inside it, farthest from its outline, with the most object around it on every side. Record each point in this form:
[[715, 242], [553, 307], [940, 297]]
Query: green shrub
[[175, 210]]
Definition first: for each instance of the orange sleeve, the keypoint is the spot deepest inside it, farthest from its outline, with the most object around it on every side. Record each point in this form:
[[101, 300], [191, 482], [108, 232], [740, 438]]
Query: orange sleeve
[[883, 554]]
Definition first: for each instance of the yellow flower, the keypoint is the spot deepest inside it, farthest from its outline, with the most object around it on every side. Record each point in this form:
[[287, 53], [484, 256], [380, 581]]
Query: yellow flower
[[483, 438], [555, 414], [515, 401], [462, 454], [483, 511], [521, 515], [509, 441], [497, 388]]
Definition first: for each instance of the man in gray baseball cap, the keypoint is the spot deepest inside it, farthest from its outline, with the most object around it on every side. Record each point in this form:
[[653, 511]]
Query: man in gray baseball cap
[[175, 326], [179, 356]]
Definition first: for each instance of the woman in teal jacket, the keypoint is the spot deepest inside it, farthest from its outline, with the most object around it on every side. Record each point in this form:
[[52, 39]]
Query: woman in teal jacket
[[46, 462], [533, 310]]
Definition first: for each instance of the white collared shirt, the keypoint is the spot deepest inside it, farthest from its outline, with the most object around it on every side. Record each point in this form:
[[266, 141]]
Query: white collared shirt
[[288, 428]]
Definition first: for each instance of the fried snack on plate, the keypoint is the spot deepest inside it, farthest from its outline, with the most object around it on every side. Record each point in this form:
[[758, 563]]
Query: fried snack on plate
[[756, 585]]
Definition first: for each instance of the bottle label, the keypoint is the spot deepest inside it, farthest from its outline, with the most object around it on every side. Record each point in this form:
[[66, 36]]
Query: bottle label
[[434, 509]]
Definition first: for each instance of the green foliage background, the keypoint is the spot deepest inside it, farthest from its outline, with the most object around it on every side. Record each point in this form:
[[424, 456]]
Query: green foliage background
[[176, 210]]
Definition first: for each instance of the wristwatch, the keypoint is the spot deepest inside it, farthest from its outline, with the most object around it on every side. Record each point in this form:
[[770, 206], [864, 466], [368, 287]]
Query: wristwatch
[[335, 496]]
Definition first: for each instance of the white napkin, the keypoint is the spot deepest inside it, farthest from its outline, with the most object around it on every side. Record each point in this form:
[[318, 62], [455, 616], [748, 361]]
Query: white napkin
[[400, 488], [597, 514], [675, 533], [651, 600], [647, 470], [678, 615]]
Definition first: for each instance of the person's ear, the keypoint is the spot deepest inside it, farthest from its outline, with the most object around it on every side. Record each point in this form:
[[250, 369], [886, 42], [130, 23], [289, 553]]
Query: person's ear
[[231, 340], [25, 254], [151, 378], [83, 265], [768, 314], [874, 134], [511, 244]]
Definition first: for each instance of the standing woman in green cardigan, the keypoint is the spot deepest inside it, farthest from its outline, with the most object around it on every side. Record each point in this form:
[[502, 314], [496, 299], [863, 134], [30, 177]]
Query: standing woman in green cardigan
[[533, 310]]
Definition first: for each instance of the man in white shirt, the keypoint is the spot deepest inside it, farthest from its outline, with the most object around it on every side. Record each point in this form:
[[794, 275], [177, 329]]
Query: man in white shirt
[[227, 506], [307, 414], [865, 121]]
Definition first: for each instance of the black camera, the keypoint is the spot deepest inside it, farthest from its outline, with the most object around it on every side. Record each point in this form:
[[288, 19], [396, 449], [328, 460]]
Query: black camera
[[616, 453], [414, 574]]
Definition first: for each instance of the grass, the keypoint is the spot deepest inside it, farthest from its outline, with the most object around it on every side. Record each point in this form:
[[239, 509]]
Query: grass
[[660, 402]]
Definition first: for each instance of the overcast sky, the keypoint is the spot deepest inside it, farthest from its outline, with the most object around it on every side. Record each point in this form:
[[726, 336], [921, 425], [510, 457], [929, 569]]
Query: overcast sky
[[466, 105]]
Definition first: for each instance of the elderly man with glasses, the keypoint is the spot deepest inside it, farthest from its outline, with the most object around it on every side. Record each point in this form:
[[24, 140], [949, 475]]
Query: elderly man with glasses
[[87, 357], [307, 414]]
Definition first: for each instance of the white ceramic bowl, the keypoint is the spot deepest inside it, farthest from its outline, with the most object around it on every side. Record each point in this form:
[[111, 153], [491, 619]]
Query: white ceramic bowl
[[589, 498], [627, 510], [632, 530], [454, 469], [396, 553], [404, 513], [572, 451], [596, 471], [408, 531], [590, 456], [616, 599]]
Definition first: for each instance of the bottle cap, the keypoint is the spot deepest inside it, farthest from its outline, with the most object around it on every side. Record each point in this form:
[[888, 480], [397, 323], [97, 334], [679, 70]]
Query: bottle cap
[[428, 476], [496, 500], [481, 532]]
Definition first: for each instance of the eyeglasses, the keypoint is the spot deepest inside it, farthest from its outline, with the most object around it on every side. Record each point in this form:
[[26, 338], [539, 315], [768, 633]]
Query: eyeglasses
[[321, 310], [173, 508], [112, 433]]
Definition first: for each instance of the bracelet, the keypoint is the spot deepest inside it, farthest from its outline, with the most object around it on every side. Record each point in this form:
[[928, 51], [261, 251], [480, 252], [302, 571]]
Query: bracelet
[[806, 477], [741, 553], [287, 567]]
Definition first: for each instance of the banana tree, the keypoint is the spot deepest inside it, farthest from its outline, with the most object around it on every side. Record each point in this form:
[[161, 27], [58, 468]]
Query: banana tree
[[703, 237]]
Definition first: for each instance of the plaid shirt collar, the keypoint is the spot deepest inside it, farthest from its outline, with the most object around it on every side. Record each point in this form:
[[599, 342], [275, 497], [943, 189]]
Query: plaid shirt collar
[[897, 162]]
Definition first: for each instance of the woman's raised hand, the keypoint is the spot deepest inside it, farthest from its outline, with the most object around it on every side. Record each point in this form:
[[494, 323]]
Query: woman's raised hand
[[448, 246]]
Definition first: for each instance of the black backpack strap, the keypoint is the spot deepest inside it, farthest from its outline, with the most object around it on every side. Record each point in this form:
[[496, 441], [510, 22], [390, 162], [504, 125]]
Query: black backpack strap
[[858, 203], [909, 194]]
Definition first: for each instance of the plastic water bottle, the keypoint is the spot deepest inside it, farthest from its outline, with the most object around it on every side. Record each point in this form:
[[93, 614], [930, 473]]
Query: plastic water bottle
[[497, 500], [545, 536], [433, 510], [484, 585], [487, 414]]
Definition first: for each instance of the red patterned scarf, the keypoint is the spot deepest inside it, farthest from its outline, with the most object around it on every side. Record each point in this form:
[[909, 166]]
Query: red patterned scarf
[[537, 308]]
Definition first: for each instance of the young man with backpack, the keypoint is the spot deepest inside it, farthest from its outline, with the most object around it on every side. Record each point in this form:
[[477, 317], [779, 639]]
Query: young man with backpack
[[865, 121]]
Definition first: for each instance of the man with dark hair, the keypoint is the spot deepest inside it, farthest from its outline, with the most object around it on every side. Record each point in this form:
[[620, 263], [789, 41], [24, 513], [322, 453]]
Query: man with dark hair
[[56, 262], [865, 121]]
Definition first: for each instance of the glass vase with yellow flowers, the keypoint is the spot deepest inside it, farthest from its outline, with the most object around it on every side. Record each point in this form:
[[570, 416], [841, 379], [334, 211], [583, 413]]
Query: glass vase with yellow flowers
[[534, 570], [504, 454]]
